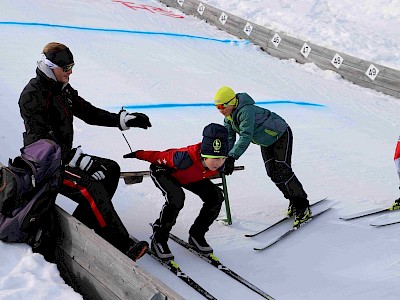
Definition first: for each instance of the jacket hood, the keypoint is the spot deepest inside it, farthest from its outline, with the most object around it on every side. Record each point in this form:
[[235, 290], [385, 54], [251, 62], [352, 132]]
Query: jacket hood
[[243, 100], [45, 69]]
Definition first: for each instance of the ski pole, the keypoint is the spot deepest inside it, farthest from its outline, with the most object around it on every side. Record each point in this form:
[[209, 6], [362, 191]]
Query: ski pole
[[126, 140], [228, 209]]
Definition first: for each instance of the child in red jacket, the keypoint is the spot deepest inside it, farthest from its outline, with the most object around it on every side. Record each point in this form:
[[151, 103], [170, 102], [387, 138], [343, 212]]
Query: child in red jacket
[[396, 204], [187, 168]]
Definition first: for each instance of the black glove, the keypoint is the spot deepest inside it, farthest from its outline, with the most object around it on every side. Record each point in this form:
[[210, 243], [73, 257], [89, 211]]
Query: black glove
[[137, 120], [88, 164], [229, 165], [131, 155]]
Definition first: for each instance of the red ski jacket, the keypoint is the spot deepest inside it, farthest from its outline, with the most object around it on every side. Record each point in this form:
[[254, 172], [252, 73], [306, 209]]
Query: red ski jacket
[[186, 162]]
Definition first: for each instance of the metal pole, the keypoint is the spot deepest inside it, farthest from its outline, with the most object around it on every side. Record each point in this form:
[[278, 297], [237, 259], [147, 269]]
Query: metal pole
[[228, 210]]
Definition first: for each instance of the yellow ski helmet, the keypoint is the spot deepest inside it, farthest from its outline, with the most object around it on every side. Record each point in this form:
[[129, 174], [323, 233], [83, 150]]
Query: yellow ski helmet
[[224, 95]]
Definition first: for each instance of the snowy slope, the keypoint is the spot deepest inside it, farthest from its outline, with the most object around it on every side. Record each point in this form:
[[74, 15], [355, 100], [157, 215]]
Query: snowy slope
[[368, 30], [343, 148]]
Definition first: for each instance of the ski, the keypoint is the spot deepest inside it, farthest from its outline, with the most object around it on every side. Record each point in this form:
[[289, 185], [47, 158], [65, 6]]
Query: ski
[[383, 223], [214, 261], [366, 213], [176, 270], [279, 222], [386, 220], [290, 231]]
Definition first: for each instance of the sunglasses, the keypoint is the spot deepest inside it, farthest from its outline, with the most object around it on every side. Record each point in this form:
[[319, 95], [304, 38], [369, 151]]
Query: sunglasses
[[224, 105], [67, 68]]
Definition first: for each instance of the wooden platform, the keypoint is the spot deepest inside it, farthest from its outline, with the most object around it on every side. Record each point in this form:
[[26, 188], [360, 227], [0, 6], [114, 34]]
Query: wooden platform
[[99, 271], [277, 44]]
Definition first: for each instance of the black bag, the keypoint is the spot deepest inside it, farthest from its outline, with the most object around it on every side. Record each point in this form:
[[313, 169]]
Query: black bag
[[28, 189]]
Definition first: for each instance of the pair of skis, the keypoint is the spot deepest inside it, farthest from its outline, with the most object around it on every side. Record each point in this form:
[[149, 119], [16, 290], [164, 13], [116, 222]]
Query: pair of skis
[[372, 212], [209, 258], [214, 261], [172, 266], [289, 231]]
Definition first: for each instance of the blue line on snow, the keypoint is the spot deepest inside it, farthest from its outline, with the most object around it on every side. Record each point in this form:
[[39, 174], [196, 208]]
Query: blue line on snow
[[171, 105], [237, 42], [165, 105]]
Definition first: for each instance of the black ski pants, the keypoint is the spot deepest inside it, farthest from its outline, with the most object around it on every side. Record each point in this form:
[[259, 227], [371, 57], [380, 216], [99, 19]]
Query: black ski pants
[[277, 160], [174, 194], [95, 209]]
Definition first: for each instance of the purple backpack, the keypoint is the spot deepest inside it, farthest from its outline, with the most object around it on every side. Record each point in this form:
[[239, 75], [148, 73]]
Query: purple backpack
[[28, 188]]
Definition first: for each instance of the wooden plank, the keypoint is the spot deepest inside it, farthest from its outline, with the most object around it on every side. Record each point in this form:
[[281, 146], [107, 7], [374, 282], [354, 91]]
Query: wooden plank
[[352, 68], [137, 177], [147, 173], [76, 276], [94, 267], [134, 173]]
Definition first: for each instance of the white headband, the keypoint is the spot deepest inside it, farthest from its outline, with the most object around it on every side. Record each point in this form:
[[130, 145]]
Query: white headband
[[48, 63]]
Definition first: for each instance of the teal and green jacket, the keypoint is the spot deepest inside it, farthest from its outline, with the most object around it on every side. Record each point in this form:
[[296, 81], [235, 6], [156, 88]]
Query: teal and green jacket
[[254, 124]]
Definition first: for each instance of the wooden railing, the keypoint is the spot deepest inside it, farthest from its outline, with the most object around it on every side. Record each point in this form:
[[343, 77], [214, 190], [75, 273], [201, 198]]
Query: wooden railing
[[99, 271]]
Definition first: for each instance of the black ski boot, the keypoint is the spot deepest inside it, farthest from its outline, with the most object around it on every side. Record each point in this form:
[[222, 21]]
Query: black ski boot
[[161, 249], [137, 250], [199, 242]]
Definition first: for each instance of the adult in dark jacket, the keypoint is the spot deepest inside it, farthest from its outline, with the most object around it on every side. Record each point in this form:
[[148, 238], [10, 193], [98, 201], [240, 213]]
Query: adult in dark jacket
[[263, 127], [48, 105], [187, 168]]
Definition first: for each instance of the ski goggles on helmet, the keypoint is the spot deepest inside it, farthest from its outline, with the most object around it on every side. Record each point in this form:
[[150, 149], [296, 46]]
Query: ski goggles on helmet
[[226, 104]]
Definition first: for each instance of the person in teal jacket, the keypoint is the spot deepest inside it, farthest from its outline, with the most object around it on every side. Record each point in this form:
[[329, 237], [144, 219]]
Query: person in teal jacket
[[263, 127]]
